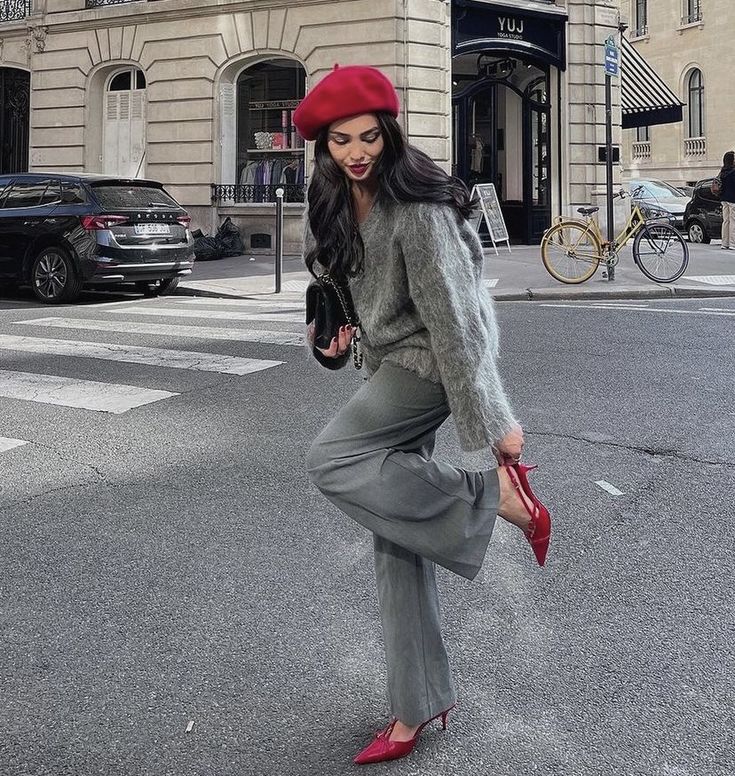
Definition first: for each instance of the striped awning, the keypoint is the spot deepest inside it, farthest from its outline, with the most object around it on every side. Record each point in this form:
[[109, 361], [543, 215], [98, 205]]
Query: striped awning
[[646, 100]]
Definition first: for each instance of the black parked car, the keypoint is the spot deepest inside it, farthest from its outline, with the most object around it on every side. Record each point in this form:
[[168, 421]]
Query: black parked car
[[61, 232], [703, 215]]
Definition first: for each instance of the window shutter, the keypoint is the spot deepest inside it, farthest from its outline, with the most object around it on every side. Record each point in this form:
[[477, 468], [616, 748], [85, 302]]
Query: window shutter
[[137, 133], [227, 133]]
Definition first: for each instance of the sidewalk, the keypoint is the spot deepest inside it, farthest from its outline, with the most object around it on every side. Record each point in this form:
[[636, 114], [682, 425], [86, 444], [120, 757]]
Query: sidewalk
[[510, 276]]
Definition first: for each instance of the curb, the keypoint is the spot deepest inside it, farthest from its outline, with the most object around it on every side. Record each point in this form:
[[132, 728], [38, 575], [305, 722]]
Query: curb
[[525, 295]]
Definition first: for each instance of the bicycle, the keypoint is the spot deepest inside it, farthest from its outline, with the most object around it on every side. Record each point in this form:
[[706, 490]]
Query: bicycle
[[573, 248]]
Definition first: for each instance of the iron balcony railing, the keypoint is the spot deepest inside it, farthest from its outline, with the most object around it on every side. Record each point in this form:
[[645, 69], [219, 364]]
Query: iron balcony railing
[[98, 3], [236, 193], [13, 10], [692, 13]]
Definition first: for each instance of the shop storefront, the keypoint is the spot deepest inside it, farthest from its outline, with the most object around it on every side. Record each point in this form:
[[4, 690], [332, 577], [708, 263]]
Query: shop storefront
[[507, 64]]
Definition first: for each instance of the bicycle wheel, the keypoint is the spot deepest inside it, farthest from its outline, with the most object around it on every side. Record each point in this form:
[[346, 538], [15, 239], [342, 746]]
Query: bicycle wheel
[[570, 251], [660, 252]]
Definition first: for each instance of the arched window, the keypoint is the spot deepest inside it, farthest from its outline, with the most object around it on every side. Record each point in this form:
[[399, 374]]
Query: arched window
[[260, 146], [124, 124], [695, 100]]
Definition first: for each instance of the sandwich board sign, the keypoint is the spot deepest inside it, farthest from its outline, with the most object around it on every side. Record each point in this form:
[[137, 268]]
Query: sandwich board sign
[[491, 212]]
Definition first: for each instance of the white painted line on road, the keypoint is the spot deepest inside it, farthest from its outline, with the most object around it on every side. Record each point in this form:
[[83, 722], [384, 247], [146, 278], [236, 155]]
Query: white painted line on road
[[190, 726], [579, 306], [8, 443], [718, 309], [219, 314], [255, 304], [262, 336], [621, 305], [83, 394], [119, 303], [174, 359], [712, 280], [609, 488], [491, 282]]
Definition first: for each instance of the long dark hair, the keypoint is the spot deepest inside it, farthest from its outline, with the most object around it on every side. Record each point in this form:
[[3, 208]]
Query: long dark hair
[[405, 174], [728, 160]]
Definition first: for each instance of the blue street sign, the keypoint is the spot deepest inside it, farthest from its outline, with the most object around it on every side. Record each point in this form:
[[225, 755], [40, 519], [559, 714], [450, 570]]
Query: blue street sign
[[612, 57]]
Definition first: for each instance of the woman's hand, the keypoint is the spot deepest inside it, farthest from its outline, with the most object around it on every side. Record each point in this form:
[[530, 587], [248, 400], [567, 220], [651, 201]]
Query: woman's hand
[[339, 344], [508, 450]]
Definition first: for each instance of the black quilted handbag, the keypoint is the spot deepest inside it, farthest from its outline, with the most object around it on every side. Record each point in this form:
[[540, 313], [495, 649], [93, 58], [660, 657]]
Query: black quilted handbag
[[329, 307]]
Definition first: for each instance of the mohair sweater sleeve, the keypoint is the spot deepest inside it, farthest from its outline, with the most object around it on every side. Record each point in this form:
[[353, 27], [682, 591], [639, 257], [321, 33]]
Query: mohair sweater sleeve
[[443, 258]]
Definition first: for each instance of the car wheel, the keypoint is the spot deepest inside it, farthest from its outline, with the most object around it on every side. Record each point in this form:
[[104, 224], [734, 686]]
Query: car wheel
[[157, 287], [697, 233], [53, 277]]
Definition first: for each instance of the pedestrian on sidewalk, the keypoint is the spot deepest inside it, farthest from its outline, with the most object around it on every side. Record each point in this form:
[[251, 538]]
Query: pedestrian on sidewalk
[[727, 197], [390, 224]]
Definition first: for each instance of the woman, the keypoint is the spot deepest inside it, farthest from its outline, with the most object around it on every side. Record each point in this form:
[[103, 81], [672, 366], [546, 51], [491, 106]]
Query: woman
[[727, 197], [391, 224]]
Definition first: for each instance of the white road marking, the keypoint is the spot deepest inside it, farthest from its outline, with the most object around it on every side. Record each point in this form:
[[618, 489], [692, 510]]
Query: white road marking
[[8, 443], [119, 303], [491, 282], [718, 309], [701, 311], [609, 488], [712, 280], [226, 315], [254, 304], [84, 394], [172, 330], [175, 359]]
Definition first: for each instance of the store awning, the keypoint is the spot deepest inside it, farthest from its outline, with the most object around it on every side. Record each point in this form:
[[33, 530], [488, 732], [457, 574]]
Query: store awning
[[646, 100]]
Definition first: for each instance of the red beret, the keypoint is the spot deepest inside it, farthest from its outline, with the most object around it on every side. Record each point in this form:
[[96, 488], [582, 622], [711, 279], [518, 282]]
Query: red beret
[[346, 91]]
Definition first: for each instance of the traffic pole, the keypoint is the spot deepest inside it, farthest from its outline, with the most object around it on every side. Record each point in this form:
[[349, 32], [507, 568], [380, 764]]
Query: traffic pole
[[279, 239], [609, 169]]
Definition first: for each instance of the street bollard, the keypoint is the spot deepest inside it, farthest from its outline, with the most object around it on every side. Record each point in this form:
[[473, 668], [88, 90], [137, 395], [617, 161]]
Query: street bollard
[[279, 239]]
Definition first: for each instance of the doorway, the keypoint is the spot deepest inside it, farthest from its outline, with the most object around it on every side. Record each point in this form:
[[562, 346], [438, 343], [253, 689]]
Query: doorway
[[501, 127], [15, 92]]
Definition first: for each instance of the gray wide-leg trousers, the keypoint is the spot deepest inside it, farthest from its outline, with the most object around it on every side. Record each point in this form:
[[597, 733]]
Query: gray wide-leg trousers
[[373, 461]]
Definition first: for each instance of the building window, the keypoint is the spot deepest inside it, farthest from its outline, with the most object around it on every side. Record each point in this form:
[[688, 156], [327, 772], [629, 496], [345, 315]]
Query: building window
[[641, 18], [643, 134], [12, 10], [261, 150], [692, 12], [695, 100], [124, 128]]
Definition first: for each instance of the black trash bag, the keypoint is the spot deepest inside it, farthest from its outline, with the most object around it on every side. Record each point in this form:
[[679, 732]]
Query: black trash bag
[[229, 239], [197, 233], [207, 248]]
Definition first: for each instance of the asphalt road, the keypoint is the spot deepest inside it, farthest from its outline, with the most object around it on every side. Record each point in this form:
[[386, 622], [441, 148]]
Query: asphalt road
[[169, 568]]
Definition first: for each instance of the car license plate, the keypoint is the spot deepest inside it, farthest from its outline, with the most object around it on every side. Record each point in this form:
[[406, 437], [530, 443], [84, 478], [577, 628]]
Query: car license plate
[[152, 229]]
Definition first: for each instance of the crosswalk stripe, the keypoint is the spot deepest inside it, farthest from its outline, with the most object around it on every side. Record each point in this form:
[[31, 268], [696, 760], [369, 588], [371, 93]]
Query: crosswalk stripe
[[8, 443], [83, 394], [227, 315], [251, 304], [263, 336], [175, 359]]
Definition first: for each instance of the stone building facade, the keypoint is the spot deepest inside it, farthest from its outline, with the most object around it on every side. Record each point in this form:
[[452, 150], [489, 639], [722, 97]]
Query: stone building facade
[[200, 95], [689, 44]]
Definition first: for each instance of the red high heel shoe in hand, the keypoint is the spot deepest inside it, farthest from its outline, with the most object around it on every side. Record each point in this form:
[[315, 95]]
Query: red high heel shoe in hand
[[539, 532], [382, 748]]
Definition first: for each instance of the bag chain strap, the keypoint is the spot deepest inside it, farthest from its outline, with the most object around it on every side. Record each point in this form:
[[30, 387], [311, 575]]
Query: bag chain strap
[[351, 319]]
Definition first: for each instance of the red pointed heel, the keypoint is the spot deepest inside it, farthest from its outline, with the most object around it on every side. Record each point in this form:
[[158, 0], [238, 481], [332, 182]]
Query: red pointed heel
[[539, 532], [382, 749]]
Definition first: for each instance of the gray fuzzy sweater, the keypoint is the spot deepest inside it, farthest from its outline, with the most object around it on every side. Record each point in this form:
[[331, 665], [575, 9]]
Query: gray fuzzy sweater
[[422, 306]]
